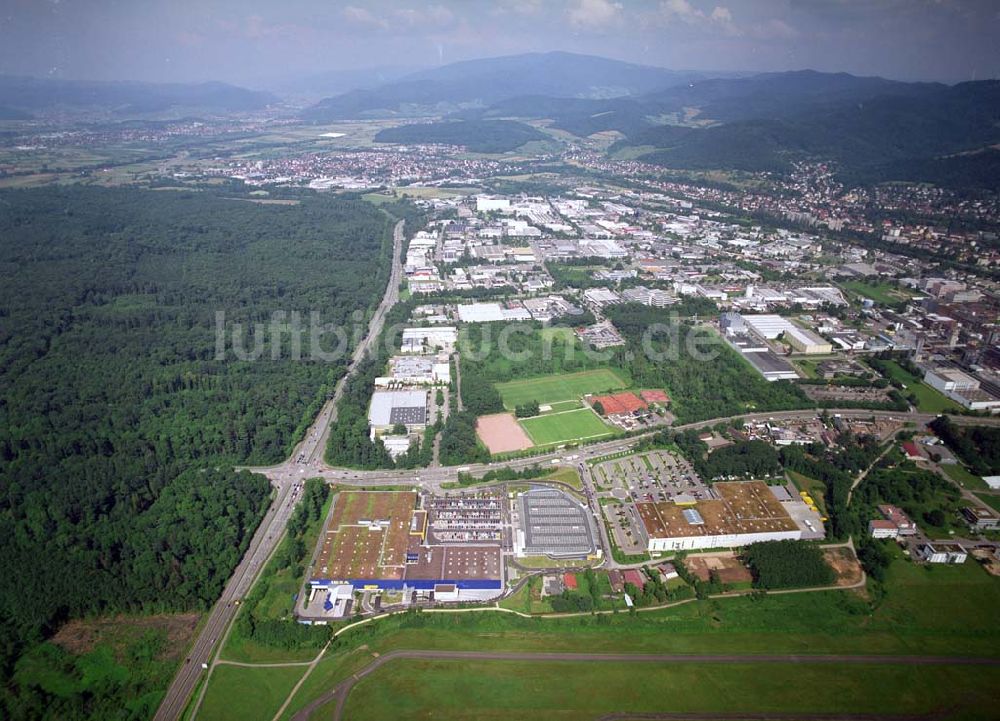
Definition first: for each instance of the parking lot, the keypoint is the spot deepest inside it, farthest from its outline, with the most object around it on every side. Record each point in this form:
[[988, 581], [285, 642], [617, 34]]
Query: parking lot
[[650, 476], [655, 476]]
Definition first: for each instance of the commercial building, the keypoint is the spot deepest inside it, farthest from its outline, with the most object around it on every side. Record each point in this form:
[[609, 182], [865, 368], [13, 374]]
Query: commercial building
[[426, 340], [805, 341], [379, 541], [767, 326], [743, 513], [491, 313], [880, 528], [417, 370], [388, 408], [486, 204]]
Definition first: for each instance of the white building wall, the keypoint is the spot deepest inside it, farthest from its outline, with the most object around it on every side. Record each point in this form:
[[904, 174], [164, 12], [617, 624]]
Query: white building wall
[[733, 540]]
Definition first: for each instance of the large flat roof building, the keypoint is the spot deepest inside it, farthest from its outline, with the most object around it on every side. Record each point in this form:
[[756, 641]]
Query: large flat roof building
[[391, 407], [743, 513]]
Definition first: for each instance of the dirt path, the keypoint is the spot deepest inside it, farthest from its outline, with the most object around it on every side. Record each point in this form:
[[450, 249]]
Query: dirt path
[[342, 690]]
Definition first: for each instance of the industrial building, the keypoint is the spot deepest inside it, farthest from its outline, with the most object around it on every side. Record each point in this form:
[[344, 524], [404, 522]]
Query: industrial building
[[416, 370], [743, 513], [426, 340], [491, 313], [388, 408]]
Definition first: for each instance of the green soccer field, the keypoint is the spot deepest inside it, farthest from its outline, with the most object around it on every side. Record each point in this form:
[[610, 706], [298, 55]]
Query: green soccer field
[[562, 387], [562, 427]]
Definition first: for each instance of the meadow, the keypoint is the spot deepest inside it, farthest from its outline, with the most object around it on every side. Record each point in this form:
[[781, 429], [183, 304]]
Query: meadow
[[560, 387], [567, 426]]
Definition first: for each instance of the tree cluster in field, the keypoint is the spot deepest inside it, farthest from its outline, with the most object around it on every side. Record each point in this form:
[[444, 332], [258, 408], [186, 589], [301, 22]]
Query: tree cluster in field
[[978, 446], [787, 564], [721, 385], [585, 598], [459, 442], [118, 422], [504, 474], [527, 410], [924, 495], [745, 459]]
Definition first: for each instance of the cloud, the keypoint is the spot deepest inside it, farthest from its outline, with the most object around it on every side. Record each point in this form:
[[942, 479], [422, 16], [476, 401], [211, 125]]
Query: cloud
[[525, 8], [432, 15], [362, 17], [720, 19], [594, 14], [773, 29]]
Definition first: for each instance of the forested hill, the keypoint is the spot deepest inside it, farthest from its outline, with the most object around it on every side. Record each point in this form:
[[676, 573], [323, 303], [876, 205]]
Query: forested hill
[[116, 421], [479, 136]]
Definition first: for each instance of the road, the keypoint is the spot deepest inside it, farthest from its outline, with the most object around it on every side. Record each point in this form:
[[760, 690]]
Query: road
[[287, 480], [343, 689], [432, 478]]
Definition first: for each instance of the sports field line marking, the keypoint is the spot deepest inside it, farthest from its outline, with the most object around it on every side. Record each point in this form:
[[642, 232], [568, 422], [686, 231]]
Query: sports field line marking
[[557, 413]]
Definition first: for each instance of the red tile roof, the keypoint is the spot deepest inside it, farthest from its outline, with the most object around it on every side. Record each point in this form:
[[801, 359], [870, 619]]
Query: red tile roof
[[569, 580], [619, 403]]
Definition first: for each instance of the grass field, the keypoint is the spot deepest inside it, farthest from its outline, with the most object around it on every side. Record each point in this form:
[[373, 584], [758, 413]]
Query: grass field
[[881, 293], [990, 499], [562, 427], [241, 693], [419, 689], [963, 477], [928, 399], [556, 388]]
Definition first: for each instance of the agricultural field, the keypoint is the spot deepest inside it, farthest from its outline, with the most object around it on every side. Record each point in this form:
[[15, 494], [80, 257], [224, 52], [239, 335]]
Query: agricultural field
[[562, 427], [559, 388]]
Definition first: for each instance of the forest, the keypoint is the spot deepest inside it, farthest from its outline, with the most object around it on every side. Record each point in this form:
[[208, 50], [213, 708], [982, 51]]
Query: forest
[[722, 384], [117, 420]]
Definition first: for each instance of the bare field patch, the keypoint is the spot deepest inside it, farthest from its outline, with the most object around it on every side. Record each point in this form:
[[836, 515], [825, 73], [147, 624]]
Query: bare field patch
[[81, 636], [501, 433]]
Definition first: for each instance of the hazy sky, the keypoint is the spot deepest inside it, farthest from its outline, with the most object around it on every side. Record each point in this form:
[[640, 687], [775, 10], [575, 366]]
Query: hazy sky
[[254, 41]]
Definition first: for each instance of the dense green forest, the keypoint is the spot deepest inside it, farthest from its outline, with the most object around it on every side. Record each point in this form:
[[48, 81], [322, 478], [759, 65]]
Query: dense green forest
[[787, 564], [714, 386], [116, 419], [479, 136]]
